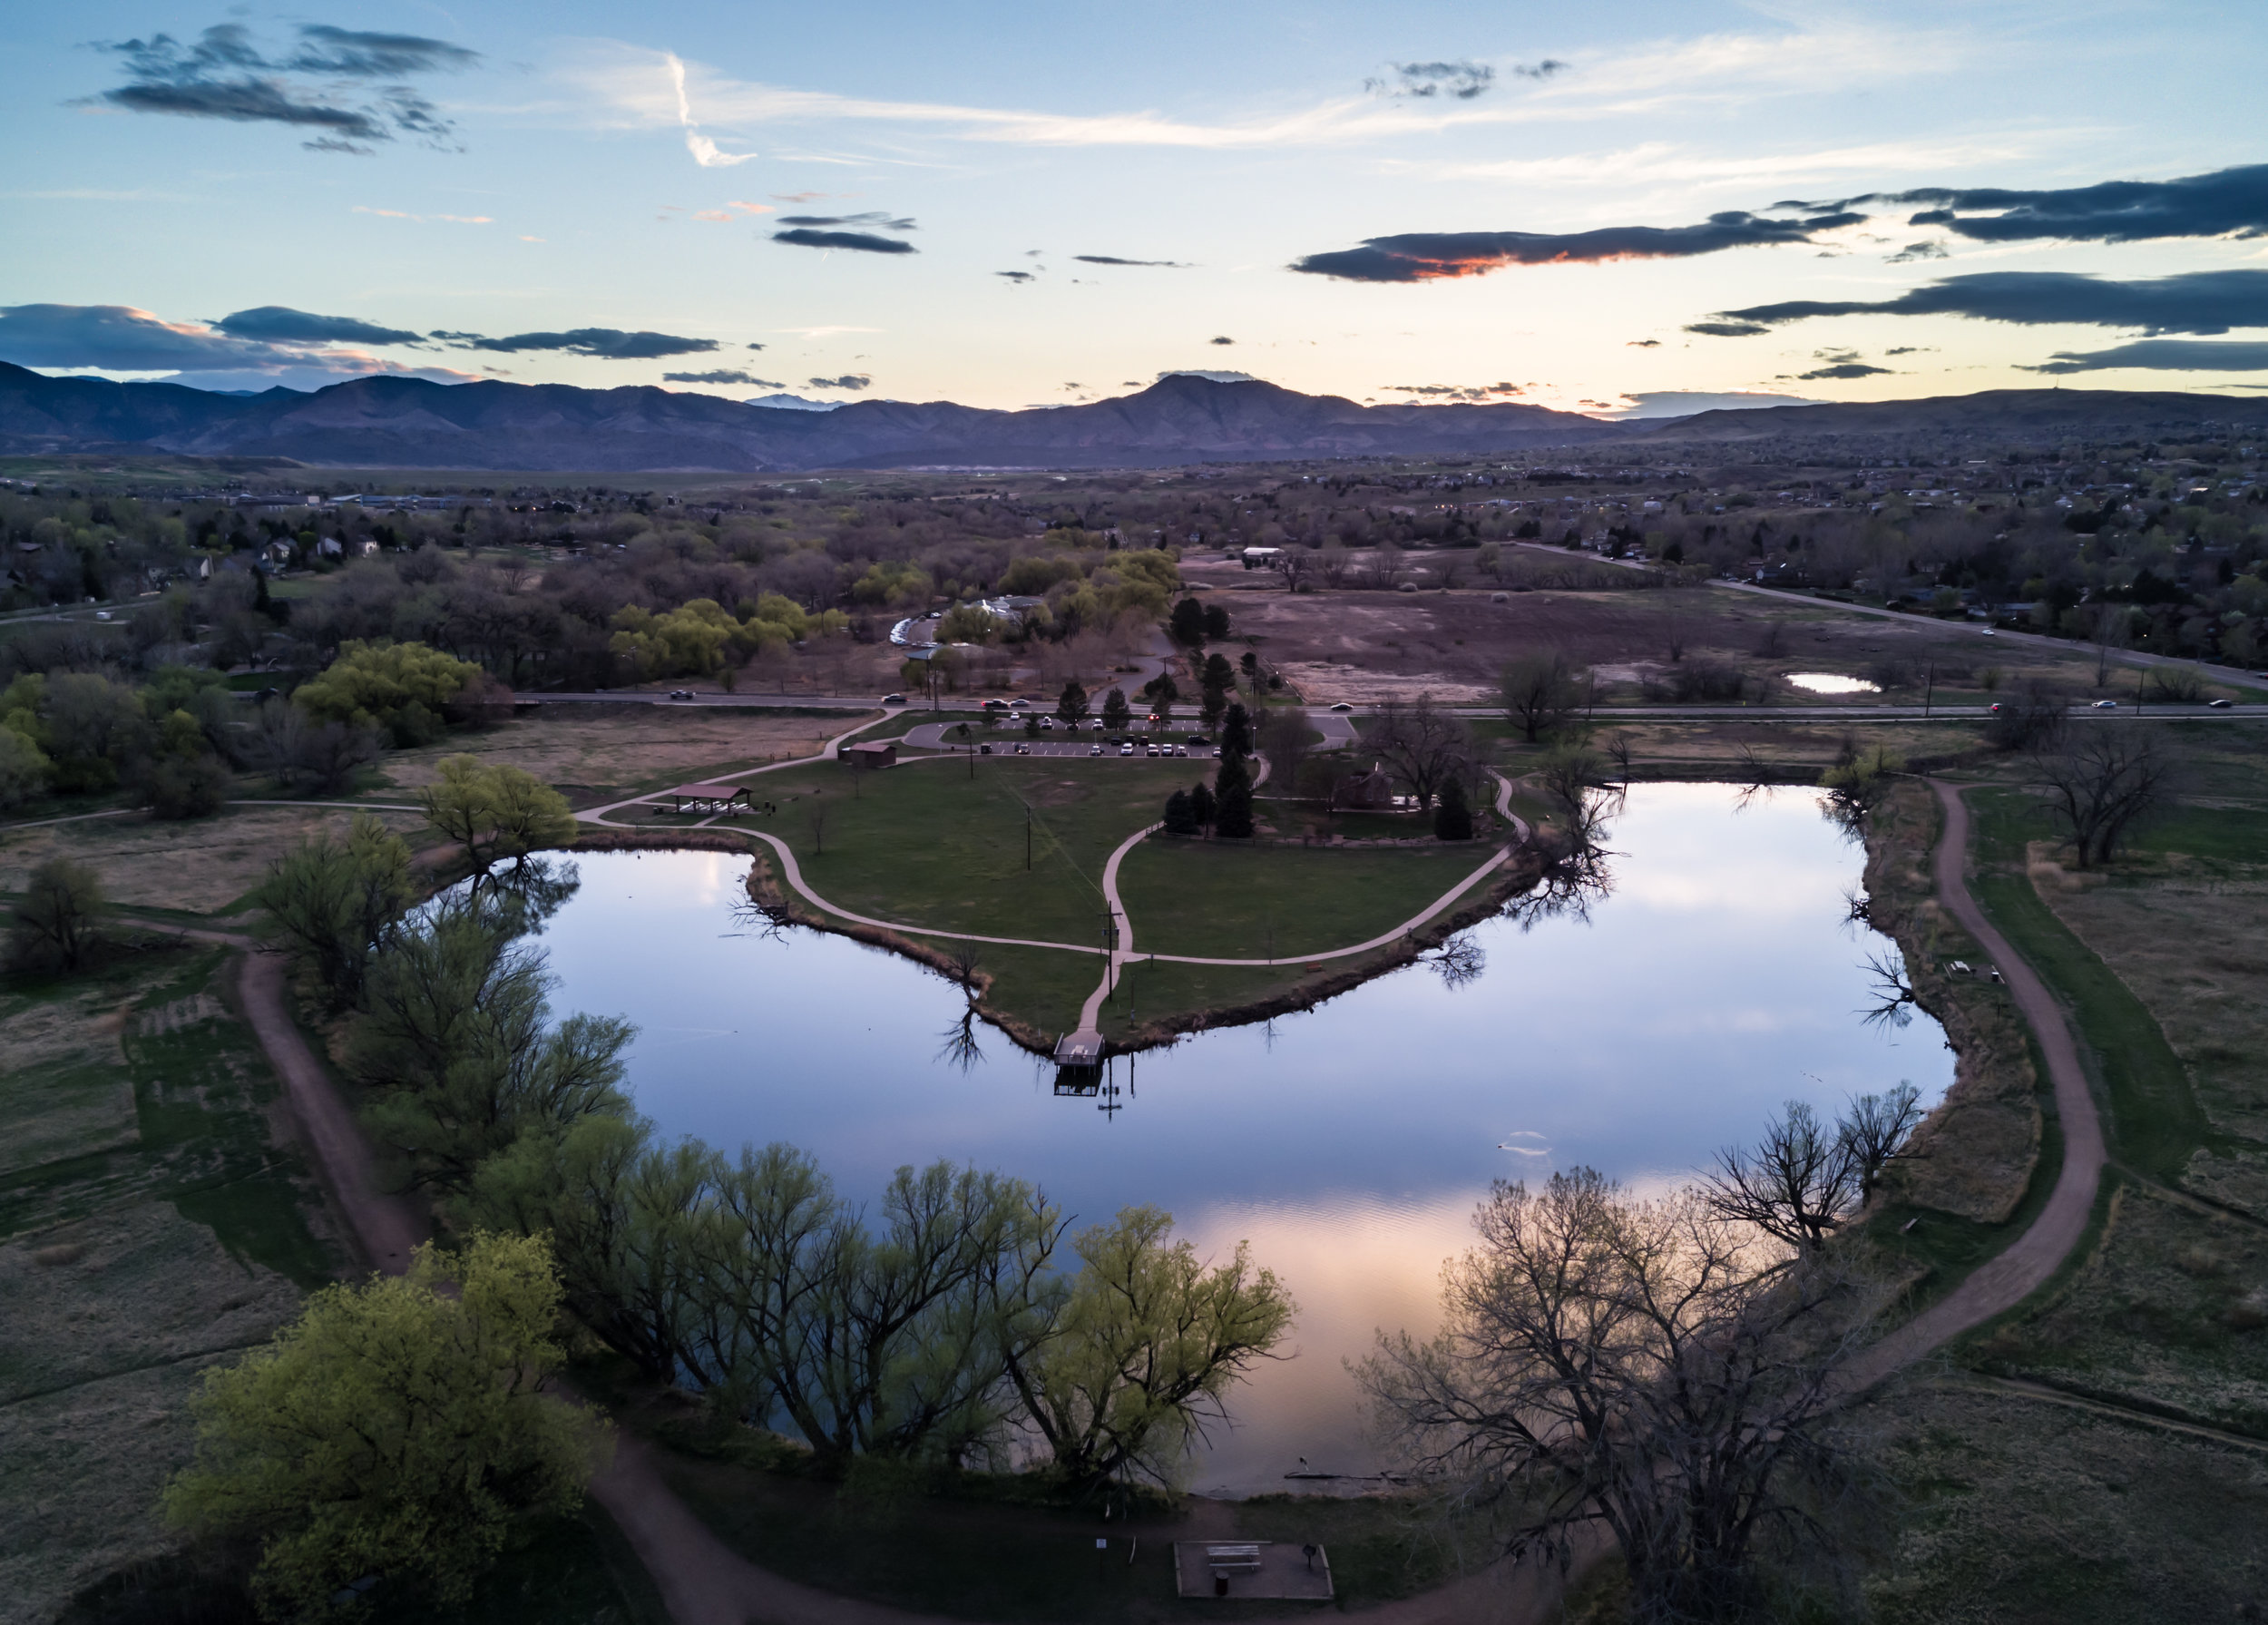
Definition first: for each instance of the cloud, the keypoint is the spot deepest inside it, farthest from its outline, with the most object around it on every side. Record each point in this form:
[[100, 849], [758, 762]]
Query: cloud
[[849, 380], [872, 217], [223, 75], [865, 242], [721, 375], [755, 346], [270, 349], [1841, 369], [2231, 202], [1727, 330], [2163, 355], [1218, 375], [705, 152], [1456, 392], [1114, 259], [606, 343], [1223, 338], [1430, 255], [1018, 276], [1918, 250], [1643, 344], [1681, 403], [453, 219], [2191, 302], [1462, 80], [284, 325]]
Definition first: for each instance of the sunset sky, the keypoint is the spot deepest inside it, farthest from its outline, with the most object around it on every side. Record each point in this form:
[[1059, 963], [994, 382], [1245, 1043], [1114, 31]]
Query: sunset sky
[[1019, 204]]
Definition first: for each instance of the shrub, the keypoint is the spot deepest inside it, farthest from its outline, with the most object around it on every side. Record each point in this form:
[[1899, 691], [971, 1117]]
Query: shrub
[[55, 923]]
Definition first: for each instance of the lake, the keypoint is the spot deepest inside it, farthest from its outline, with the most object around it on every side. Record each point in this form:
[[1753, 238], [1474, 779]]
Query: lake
[[1719, 976]]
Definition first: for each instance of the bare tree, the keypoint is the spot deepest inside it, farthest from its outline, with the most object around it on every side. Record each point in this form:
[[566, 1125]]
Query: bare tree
[[2106, 777], [1633, 1369], [1296, 565], [2029, 719], [814, 818], [1619, 751], [1423, 745], [1383, 568], [1874, 1131], [961, 960], [1287, 739], [1574, 779], [2108, 631], [1796, 1183], [1332, 562], [1541, 692]]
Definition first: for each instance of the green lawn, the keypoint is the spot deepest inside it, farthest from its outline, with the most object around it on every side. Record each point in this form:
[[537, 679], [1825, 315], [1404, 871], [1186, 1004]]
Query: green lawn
[[934, 847], [1243, 902]]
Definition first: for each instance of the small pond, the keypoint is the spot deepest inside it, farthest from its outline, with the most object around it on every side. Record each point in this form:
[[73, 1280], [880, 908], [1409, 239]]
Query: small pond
[[1718, 977], [1829, 682]]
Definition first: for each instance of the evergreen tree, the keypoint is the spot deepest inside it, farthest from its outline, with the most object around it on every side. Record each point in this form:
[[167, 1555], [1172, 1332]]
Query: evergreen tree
[[1218, 673], [1453, 819], [1180, 816], [1073, 706], [1187, 625], [1232, 794], [1202, 806], [1236, 734], [1116, 712], [1216, 622]]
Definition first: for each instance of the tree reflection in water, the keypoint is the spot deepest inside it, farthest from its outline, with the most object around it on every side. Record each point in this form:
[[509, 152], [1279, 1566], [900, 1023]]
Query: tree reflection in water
[[1459, 961], [959, 1048]]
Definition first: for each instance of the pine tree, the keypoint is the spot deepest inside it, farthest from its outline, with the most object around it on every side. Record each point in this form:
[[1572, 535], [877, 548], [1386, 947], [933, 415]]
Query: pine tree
[[1232, 793], [1453, 819], [1202, 806], [1180, 816]]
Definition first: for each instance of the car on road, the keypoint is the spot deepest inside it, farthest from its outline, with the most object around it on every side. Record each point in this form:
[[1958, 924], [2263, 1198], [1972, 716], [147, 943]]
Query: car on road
[[1198, 738], [1343, 706], [1988, 631], [1094, 750], [894, 699], [680, 693], [996, 705], [1996, 708], [1017, 705], [2105, 705], [2220, 705]]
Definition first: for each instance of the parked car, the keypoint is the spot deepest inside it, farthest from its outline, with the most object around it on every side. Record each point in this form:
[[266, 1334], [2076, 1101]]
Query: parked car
[[1343, 706], [1198, 738], [2105, 705], [894, 699], [1094, 750], [1181, 751], [984, 750], [1023, 751], [1150, 750], [1046, 723], [1126, 750]]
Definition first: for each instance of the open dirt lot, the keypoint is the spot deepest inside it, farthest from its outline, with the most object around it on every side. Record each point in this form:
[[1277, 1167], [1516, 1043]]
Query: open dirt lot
[[202, 865], [606, 746], [1367, 646]]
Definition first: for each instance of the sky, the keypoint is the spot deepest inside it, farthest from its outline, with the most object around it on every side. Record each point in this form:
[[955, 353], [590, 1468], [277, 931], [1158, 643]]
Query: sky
[[1611, 208]]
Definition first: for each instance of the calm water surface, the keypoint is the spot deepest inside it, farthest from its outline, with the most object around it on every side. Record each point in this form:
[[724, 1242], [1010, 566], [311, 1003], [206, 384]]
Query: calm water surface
[[1718, 978]]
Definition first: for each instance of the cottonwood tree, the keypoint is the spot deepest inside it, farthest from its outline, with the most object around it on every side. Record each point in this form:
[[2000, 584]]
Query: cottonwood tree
[[1803, 1180], [495, 811], [337, 902], [397, 1427], [1286, 740], [2030, 718], [1137, 1363], [1422, 743], [1573, 779], [2104, 779], [55, 923], [1609, 1367], [1541, 692]]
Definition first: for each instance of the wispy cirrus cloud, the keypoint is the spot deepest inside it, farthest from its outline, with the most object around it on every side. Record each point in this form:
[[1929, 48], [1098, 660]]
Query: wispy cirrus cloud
[[2200, 302], [705, 152], [1432, 256], [223, 74]]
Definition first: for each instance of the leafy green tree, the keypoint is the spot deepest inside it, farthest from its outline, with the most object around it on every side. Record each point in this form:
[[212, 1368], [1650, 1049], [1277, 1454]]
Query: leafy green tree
[[399, 688], [56, 922], [397, 1427], [24, 769], [1116, 712], [457, 1048], [494, 810], [93, 727], [1452, 817], [1146, 1349], [1180, 816], [1073, 706], [337, 902]]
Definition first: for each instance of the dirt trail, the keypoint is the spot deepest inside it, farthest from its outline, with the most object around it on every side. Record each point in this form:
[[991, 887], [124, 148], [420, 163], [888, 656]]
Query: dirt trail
[[2024, 1266]]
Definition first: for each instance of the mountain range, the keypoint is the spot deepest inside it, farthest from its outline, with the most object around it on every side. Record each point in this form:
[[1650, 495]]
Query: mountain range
[[387, 422]]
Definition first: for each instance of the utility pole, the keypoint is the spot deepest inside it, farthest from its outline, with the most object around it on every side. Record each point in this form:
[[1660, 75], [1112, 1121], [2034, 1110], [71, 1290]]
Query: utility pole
[[1027, 839], [1929, 692]]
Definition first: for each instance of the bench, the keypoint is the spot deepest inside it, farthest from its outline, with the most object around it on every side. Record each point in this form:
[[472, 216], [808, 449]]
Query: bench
[[1232, 1560]]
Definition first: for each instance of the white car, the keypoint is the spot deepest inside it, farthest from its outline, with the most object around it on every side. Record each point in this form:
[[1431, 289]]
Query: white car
[[1094, 750], [1988, 631], [2105, 705], [1126, 750]]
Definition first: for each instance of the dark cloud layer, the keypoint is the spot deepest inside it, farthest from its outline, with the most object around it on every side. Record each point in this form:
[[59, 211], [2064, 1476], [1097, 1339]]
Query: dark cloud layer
[[1841, 369], [224, 74], [1114, 259], [119, 338], [606, 343], [2193, 302], [721, 375], [2226, 202], [849, 380], [284, 325], [872, 217], [2164, 354], [1429, 256], [864, 242]]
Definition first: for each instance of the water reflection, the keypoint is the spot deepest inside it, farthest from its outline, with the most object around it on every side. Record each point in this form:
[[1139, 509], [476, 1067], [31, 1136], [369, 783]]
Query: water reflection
[[1633, 1018]]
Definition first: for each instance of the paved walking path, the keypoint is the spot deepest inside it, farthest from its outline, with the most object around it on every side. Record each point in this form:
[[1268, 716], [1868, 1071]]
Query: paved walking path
[[2024, 1266]]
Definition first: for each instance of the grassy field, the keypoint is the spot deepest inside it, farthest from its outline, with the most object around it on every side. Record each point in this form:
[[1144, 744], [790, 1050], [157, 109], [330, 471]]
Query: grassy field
[[1233, 901], [198, 866]]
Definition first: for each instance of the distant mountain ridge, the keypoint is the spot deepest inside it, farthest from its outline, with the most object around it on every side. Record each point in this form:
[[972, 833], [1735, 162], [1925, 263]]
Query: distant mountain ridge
[[409, 423]]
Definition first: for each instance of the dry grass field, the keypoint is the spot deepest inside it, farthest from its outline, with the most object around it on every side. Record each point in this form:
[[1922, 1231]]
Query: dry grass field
[[587, 750], [199, 865]]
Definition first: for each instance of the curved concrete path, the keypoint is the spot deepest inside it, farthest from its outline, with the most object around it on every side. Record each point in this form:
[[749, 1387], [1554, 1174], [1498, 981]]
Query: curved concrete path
[[2023, 1266]]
